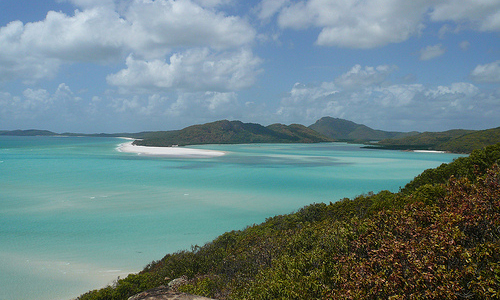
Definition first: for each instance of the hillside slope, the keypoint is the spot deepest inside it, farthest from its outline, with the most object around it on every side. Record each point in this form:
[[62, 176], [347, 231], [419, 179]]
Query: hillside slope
[[233, 132], [458, 140], [344, 130], [29, 132], [437, 239]]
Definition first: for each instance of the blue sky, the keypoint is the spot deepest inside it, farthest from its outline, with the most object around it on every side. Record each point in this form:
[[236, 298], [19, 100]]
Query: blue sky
[[134, 65]]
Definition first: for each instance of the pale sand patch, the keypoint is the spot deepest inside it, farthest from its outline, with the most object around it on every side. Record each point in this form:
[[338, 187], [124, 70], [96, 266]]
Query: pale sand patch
[[429, 151], [169, 151]]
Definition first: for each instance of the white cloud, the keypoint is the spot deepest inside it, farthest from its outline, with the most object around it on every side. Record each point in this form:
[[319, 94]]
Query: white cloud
[[161, 25], [17, 60], [90, 3], [356, 24], [404, 106], [40, 105], [487, 72], [193, 70], [431, 52], [305, 102], [375, 23], [213, 3], [481, 14], [34, 51], [268, 8], [397, 95], [206, 105], [358, 77], [99, 33]]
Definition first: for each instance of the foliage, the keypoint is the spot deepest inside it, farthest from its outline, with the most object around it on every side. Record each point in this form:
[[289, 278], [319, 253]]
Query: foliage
[[477, 162], [439, 238], [345, 130], [233, 132], [458, 141], [474, 140], [30, 132]]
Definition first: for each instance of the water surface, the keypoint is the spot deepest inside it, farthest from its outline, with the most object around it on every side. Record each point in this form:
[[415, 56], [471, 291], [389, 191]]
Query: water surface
[[75, 213]]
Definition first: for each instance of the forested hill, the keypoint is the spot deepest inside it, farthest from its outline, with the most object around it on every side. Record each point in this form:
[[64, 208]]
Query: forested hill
[[459, 141], [438, 238], [233, 132], [36, 132], [326, 129], [344, 130], [30, 132]]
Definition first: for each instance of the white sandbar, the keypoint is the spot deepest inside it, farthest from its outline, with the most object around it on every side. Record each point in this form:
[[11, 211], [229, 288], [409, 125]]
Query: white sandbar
[[169, 151], [429, 151]]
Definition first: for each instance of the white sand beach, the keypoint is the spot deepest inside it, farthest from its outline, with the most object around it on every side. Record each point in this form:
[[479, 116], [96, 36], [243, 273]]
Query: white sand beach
[[429, 151], [169, 151]]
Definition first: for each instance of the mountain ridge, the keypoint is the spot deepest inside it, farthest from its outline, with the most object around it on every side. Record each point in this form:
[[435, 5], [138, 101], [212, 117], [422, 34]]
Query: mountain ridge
[[326, 129], [455, 140], [233, 132], [341, 129]]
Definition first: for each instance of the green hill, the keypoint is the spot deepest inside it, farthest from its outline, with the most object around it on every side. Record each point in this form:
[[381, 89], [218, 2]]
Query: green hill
[[472, 140], [233, 132], [438, 238], [30, 132], [344, 130], [459, 141]]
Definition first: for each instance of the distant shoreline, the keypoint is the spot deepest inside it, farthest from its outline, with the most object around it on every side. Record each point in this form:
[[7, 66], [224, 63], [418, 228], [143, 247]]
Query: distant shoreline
[[180, 152], [428, 151]]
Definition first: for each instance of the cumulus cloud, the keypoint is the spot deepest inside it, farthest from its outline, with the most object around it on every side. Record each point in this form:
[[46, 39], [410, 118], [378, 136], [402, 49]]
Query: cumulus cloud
[[91, 3], [40, 108], [359, 77], [99, 33], [409, 106], [481, 14], [489, 73], [431, 52], [205, 105], [268, 8], [375, 23], [41, 105], [356, 24], [162, 24], [18, 61], [212, 3], [186, 108], [195, 69]]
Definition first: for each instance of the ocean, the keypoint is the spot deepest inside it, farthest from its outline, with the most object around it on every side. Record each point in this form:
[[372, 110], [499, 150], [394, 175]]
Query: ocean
[[75, 213]]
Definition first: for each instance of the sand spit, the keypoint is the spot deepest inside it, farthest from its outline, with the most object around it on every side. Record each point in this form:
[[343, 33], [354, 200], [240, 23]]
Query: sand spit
[[180, 152]]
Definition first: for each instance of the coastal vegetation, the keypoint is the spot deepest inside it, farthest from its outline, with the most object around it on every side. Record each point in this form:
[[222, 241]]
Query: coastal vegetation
[[344, 130], [36, 132], [326, 129], [233, 132], [458, 141], [437, 238]]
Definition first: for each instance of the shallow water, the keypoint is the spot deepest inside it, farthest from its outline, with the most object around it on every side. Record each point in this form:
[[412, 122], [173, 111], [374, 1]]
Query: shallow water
[[75, 213]]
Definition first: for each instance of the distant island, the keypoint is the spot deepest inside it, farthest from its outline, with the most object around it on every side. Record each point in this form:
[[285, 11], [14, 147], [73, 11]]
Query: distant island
[[326, 129], [233, 132]]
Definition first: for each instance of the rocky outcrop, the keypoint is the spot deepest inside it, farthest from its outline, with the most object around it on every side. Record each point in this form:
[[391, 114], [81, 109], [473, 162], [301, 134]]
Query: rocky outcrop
[[167, 293], [164, 293]]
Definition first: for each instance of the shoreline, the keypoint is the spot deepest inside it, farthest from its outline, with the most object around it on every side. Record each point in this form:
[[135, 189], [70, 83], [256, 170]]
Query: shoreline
[[428, 151], [179, 152]]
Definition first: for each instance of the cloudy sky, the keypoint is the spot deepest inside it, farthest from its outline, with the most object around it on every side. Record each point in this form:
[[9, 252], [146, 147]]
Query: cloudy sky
[[133, 65]]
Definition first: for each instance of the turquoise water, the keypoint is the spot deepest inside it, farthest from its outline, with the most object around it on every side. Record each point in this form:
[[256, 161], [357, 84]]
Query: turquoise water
[[75, 213]]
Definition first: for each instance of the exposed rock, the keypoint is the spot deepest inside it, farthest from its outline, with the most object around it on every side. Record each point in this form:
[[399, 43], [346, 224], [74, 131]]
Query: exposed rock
[[164, 293], [167, 292], [174, 284]]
